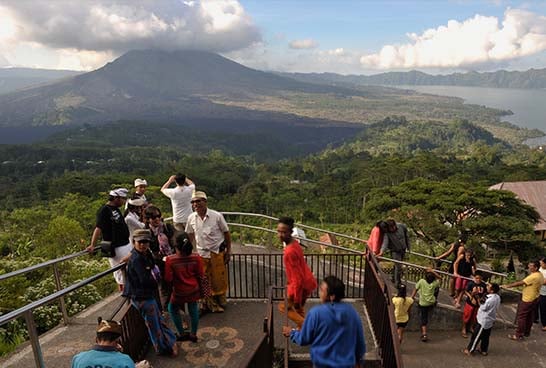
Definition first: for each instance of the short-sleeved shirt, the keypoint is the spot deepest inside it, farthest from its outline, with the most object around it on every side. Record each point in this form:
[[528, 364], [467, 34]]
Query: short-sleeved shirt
[[531, 290], [113, 226], [209, 231], [401, 307], [426, 292], [180, 201]]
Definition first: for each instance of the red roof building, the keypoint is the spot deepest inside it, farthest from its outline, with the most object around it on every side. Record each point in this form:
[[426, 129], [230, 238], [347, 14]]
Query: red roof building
[[534, 194]]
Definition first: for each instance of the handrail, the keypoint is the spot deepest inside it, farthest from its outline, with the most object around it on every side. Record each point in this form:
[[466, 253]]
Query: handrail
[[44, 264], [297, 224], [297, 237], [381, 258], [448, 261], [52, 297], [379, 307], [342, 236]]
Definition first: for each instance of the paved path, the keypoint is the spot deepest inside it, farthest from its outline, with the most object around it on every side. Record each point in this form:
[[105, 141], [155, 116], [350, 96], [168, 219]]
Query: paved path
[[444, 350]]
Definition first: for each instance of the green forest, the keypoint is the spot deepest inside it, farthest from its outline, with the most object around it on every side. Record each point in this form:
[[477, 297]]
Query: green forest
[[432, 176]]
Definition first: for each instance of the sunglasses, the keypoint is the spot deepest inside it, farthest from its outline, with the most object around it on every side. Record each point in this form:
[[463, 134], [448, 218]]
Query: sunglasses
[[153, 217], [197, 200], [143, 241]]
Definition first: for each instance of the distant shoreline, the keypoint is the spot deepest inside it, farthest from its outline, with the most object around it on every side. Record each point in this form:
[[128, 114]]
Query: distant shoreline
[[527, 105]]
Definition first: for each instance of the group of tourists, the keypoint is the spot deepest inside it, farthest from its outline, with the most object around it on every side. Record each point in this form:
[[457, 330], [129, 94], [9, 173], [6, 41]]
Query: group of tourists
[[481, 300], [164, 275]]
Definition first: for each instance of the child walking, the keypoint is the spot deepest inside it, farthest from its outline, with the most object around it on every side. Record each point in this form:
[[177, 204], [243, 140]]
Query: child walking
[[402, 305], [428, 289]]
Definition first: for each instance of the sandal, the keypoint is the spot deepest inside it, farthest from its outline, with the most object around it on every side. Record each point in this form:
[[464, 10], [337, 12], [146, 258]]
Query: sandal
[[515, 337]]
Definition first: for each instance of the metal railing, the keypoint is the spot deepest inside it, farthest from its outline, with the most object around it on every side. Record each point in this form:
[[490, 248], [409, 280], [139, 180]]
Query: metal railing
[[263, 351], [57, 276], [498, 275], [134, 334], [26, 311], [251, 275], [377, 298]]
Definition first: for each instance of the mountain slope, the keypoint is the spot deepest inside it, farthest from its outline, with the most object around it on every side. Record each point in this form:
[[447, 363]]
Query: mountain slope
[[12, 79], [531, 79], [149, 85]]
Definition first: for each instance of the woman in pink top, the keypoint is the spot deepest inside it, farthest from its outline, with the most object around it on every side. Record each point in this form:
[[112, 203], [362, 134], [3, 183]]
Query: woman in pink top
[[376, 236]]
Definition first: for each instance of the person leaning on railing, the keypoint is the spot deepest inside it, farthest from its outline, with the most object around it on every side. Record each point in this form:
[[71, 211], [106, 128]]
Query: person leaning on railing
[[529, 299], [111, 227], [457, 248]]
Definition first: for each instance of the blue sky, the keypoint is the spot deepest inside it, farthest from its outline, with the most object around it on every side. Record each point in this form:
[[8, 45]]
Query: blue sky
[[361, 37]]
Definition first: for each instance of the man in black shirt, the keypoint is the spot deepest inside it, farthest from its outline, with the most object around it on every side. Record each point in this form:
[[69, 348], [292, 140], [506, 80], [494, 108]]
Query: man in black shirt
[[111, 227]]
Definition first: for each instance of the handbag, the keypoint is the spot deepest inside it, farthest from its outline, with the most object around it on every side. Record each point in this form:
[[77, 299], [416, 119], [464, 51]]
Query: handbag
[[106, 249]]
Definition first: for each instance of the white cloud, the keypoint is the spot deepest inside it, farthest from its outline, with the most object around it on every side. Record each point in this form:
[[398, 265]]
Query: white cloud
[[303, 44], [477, 40], [92, 30], [337, 52], [265, 57]]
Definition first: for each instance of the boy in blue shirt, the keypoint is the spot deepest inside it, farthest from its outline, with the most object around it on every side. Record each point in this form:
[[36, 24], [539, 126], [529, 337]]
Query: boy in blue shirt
[[333, 329]]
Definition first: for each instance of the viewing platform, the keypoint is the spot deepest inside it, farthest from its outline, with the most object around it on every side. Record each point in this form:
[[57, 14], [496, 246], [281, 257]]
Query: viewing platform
[[248, 333]]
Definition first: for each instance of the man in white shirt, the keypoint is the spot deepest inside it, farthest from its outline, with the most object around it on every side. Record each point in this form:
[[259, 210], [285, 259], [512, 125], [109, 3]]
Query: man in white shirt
[[208, 230], [487, 314], [180, 199]]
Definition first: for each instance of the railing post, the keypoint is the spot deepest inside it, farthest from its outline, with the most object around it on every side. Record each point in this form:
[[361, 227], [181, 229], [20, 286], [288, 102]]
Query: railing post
[[34, 340], [59, 288], [270, 245], [241, 235]]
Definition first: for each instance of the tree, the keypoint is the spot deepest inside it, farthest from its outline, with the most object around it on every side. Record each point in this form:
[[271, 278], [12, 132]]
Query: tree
[[439, 211]]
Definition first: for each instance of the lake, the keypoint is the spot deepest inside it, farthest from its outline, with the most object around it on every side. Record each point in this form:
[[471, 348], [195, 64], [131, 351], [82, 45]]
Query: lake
[[528, 105]]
